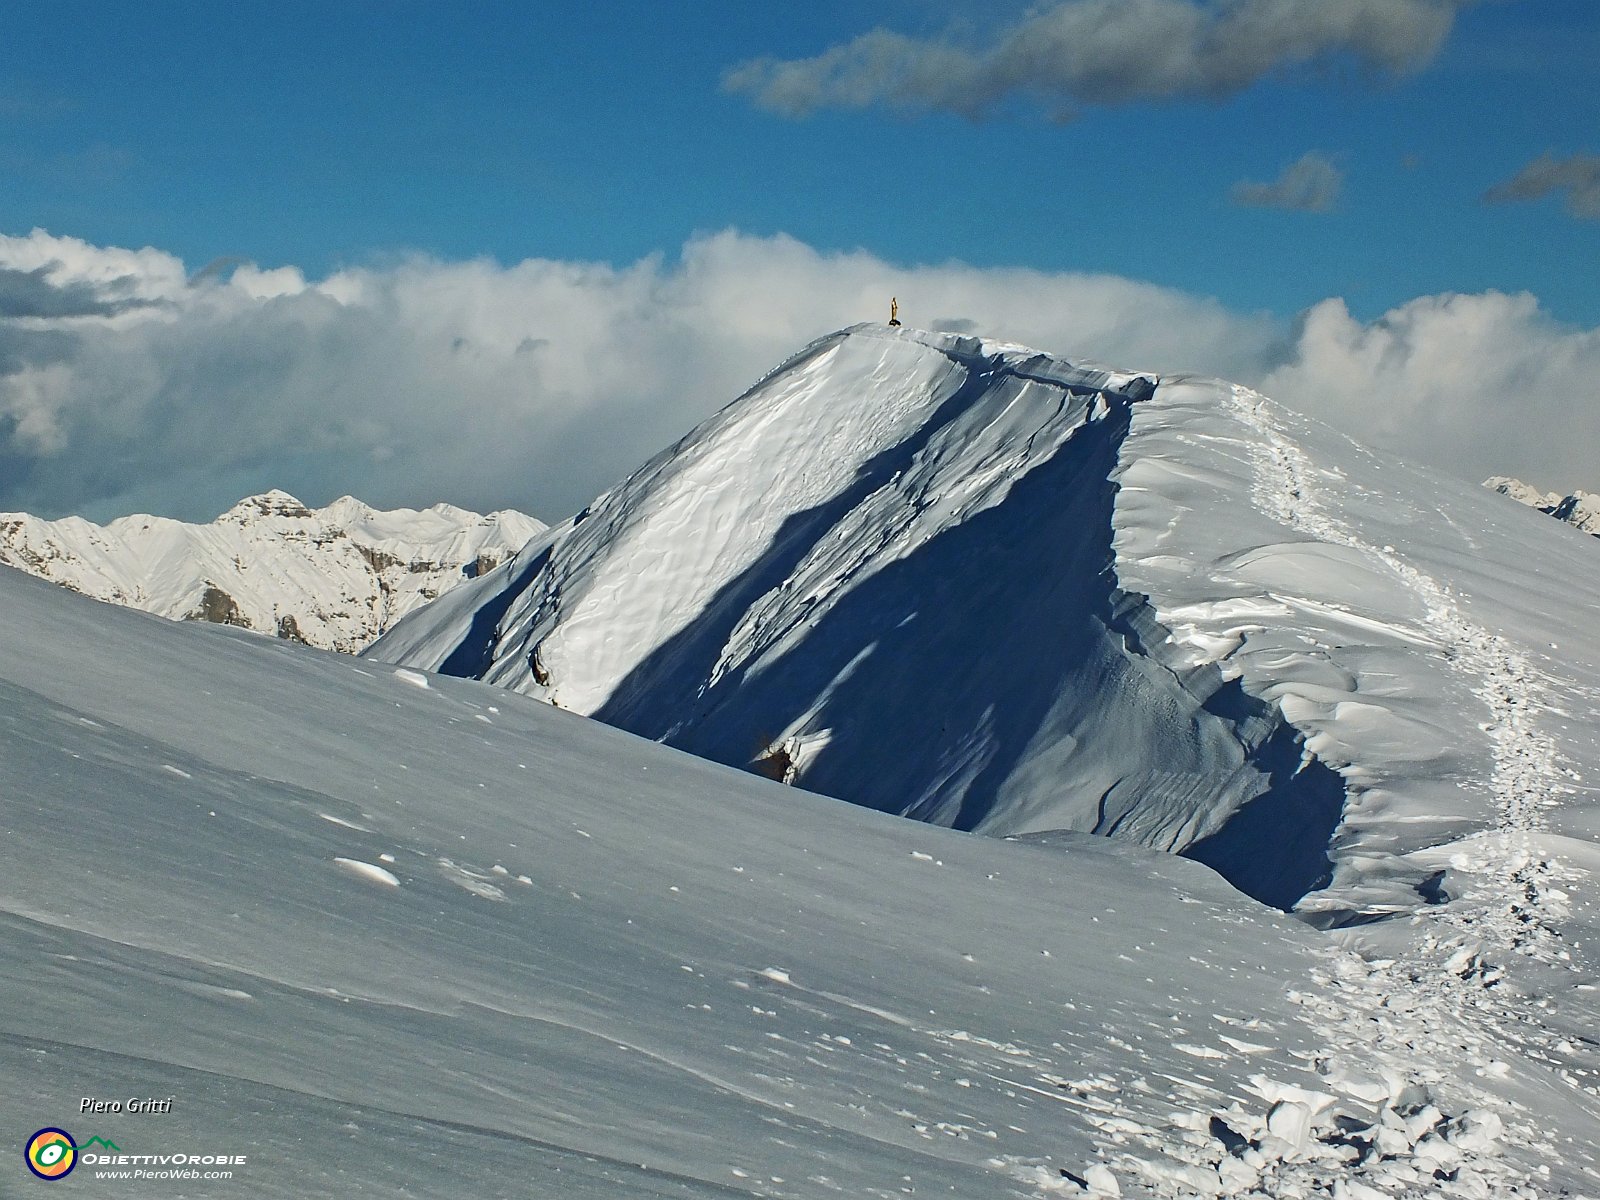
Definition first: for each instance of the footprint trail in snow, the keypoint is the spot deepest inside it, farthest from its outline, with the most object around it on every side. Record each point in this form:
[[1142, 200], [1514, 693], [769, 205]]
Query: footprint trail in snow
[[1421, 1030]]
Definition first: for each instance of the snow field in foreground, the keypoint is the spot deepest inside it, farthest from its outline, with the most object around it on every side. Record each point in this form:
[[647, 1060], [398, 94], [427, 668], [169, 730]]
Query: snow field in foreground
[[607, 969]]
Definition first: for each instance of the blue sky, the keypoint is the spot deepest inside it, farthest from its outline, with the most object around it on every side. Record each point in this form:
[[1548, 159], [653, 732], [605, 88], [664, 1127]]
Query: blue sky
[[498, 253], [326, 134]]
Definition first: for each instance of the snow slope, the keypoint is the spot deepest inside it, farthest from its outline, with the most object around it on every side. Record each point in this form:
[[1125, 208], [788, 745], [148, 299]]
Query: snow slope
[[982, 586], [1581, 509], [334, 577], [386, 934]]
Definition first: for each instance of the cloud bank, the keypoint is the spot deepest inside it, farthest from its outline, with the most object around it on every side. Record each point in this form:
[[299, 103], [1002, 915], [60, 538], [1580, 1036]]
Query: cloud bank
[[129, 382], [1469, 383], [1081, 53], [1578, 177], [1309, 184]]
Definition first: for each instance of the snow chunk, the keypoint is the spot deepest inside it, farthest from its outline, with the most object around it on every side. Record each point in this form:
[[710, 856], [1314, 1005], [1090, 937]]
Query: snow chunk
[[469, 880], [371, 872], [1101, 1181]]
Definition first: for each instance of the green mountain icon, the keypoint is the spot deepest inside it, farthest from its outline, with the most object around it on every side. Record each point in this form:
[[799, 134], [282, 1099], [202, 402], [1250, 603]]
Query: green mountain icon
[[99, 1141]]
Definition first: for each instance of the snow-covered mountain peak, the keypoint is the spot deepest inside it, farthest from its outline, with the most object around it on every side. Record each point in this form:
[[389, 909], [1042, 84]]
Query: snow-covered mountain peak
[[328, 901], [994, 589], [1522, 493], [335, 577], [1579, 509], [273, 503], [840, 424], [347, 509]]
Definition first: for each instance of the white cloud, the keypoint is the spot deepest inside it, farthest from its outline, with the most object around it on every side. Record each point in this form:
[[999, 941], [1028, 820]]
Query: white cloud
[[1477, 384], [146, 274], [265, 285], [1098, 52], [32, 397], [538, 384], [1309, 184]]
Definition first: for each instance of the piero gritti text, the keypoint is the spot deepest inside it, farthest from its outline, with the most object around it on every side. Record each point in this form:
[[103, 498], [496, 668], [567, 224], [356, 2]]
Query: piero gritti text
[[150, 1105]]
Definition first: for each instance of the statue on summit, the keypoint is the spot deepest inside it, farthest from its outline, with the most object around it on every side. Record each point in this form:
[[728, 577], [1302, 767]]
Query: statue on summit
[[894, 311]]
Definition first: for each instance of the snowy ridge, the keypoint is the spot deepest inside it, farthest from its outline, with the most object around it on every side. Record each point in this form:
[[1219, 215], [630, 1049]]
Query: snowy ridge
[[886, 495], [1580, 509], [1164, 610], [335, 577], [430, 938], [1431, 699], [1503, 908]]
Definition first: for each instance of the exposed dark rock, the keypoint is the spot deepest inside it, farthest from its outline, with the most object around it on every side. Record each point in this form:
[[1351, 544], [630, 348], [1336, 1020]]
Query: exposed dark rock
[[219, 608], [289, 630], [377, 559]]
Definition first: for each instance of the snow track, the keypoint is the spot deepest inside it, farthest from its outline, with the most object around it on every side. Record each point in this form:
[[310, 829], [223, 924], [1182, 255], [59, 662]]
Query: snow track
[[1441, 1042], [1528, 776], [1315, 667], [1417, 1043]]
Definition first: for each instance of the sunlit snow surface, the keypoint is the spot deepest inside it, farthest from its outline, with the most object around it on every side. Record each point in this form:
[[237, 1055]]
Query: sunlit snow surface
[[988, 588], [607, 968], [441, 941], [393, 933]]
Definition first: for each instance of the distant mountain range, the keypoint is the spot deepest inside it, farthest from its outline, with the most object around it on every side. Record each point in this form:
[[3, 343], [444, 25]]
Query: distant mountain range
[[1581, 510], [333, 577]]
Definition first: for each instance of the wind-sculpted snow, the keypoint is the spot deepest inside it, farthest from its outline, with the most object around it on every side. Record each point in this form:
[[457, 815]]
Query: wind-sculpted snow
[[1432, 643], [1045, 597], [1451, 709], [885, 575], [387, 933], [334, 577], [977, 585]]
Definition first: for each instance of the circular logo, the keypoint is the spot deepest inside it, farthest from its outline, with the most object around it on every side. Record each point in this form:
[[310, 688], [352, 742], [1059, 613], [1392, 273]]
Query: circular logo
[[51, 1154]]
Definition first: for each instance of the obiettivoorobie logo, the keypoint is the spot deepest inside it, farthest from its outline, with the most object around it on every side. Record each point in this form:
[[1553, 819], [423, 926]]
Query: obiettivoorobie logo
[[52, 1153]]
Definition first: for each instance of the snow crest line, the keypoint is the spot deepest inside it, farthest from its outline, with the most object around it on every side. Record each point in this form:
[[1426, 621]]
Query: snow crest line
[[1401, 1032], [1414, 1046], [1527, 777]]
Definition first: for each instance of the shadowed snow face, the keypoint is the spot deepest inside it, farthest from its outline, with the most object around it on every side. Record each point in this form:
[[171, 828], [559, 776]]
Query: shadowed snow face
[[327, 901], [990, 589]]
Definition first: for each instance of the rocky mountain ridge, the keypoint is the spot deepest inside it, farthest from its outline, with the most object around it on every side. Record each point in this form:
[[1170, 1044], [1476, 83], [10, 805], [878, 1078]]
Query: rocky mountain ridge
[[1580, 509], [335, 577]]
